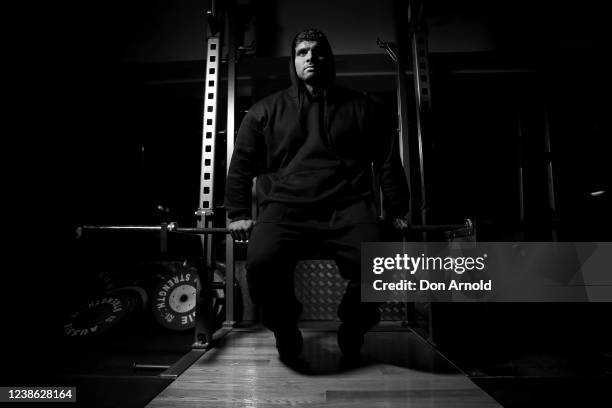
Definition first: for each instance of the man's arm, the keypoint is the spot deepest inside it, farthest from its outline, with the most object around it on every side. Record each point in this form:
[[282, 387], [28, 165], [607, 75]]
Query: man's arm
[[241, 230], [388, 166], [247, 160]]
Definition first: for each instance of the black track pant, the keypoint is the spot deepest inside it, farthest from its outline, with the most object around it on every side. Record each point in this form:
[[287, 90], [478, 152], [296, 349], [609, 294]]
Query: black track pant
[[273, 252]]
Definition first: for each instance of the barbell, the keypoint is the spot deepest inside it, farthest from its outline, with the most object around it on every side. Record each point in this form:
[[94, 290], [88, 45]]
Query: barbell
[[468, 225]]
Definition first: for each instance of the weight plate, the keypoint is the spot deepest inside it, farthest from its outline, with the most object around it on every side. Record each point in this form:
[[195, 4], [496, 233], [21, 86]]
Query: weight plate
[[182, 298], [173, 301], [114, 276], [101, 314], [143, 298]]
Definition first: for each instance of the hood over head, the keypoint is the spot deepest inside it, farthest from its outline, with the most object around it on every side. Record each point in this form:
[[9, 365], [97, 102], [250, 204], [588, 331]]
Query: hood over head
[[329, 72]]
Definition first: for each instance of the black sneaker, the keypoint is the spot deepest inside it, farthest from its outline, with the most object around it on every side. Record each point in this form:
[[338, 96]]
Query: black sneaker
[[289, 343], [350, 341]]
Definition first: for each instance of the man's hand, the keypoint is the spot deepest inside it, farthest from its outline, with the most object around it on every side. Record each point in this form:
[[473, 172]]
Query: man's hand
[[241, 229], [402, 223]]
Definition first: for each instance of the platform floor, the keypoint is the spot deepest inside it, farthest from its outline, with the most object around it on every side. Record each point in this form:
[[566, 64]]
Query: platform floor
[[399, 370]]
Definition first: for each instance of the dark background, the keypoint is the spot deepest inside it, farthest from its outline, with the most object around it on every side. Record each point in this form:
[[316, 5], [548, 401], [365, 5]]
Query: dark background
[[99, 84]]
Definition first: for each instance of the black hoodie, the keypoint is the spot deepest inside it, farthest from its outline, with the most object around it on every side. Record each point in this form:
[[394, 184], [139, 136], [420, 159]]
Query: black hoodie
[[314, 152]]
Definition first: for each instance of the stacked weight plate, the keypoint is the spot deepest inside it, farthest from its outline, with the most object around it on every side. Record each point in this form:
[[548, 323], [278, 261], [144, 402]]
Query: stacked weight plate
[[105, 312]]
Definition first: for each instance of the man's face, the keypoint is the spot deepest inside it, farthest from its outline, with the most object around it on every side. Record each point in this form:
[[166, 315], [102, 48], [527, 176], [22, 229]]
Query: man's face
[[309, 61]]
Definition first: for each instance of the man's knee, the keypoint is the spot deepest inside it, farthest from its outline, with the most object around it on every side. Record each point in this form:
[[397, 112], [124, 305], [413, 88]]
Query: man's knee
[[269, 272]]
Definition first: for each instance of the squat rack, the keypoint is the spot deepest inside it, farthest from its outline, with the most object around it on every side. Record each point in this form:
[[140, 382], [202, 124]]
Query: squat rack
[[220, 21]]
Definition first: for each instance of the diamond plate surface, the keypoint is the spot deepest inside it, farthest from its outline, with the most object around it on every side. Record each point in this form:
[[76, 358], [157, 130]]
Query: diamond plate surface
[[394, 311], [319, 287]]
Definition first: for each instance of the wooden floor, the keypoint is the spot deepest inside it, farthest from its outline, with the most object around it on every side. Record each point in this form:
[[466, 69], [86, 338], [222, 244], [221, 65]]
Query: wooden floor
[[399, 370]]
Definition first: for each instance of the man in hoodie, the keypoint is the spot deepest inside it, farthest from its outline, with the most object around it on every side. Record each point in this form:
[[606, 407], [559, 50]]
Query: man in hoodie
[[313, 148]]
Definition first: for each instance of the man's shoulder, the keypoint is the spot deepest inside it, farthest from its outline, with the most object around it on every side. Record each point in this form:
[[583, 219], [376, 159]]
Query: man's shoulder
[[271, 101], [277, 97], [346, 94]]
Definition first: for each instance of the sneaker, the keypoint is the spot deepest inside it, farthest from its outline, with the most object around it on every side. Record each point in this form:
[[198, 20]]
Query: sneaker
[[289, 343]]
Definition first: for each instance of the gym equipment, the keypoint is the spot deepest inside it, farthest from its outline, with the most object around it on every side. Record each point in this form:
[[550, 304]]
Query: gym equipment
[[174, 299], [105, 312], [144, 298], [117, 277], [149, 367], [179, 301], [178, 304], [174, 227], [467, 224], [176, 311], [402, 118]]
